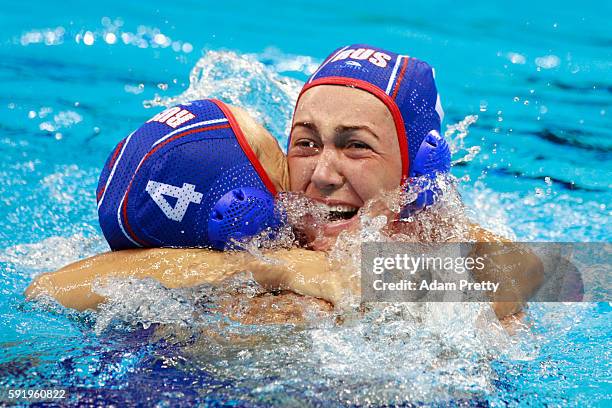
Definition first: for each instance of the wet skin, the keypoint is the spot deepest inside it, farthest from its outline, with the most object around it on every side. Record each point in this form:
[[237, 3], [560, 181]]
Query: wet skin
[[344, 151]]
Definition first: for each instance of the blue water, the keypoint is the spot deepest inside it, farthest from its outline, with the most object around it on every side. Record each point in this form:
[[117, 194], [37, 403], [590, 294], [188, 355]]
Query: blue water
[[77, 77]]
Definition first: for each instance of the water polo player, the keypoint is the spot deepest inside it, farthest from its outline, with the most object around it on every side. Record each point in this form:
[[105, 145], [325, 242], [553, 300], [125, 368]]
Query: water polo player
[[367, 121], [197, 175], [189, 177]]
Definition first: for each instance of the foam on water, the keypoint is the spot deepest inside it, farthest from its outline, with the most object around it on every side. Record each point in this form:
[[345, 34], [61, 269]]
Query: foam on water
[[51, 253]]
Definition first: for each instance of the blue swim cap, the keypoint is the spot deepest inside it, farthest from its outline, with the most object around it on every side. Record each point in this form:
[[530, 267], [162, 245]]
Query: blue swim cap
[[186, 178], [407, 87]]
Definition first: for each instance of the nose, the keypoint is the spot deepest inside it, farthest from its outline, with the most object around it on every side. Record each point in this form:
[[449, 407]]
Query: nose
[[326, 176]]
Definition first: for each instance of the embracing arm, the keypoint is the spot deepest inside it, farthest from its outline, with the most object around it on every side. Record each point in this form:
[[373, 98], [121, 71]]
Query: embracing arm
[[73, 285], [302, 271], [305, 272], [516, 268], [518, 271]]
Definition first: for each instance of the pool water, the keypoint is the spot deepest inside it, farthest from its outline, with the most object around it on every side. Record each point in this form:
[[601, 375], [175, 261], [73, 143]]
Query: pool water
[[533, 81]]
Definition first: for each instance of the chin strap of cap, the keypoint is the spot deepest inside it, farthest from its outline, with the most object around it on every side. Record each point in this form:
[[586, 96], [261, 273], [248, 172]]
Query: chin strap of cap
[[433, 157], [241, 213]]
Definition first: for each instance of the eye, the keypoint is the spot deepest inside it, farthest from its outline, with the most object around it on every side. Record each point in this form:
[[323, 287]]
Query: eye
[[304, 146], [306, 143], [359, 145]]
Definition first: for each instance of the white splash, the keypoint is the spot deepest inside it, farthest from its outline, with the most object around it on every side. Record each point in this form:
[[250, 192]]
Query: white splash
[[244, 81], [52, 253]]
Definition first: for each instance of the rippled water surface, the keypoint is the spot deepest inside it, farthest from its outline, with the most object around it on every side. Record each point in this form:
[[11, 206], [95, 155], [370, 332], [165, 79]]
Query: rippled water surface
[[527, 92]]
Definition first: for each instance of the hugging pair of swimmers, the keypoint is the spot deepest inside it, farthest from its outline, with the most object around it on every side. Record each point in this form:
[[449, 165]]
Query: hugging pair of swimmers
[[189, 177], [174, 187]]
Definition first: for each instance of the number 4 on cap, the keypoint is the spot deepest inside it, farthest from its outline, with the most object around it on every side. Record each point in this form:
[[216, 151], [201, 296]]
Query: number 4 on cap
[[185, 195]]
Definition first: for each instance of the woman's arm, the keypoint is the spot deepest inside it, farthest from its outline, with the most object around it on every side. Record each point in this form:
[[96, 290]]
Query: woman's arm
[[72, 286], [518, 271], [516, 268], [305, 272], [302, 271]]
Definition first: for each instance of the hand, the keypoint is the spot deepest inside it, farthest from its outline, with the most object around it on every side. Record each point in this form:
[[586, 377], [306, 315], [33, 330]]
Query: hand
[[305, 272]]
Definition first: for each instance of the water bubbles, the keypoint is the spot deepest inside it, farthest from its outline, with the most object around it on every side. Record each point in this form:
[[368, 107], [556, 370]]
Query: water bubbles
[[162, 86], [547, 61], [111, 32], [31, 114], [110, 38], [67, 119], [516, 99], [140, 302], [526, 102], [483, 106], [456, 133], [88, 38], [46, 126], [161, 39], [136, 90], [153, 102], [516, 58], [548, 181], [48, 36], [187, 48], [282, 62], [44, 111]]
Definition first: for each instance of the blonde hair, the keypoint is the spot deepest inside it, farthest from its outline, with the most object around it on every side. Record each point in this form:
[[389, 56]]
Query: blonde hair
[[265, 147]]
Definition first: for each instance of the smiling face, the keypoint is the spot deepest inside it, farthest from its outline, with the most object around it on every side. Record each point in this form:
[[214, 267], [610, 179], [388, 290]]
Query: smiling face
[[344, 151]]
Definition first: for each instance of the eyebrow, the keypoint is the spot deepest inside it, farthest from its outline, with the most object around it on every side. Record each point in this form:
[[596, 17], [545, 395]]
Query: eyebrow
[[308, 125], [339, 130], [350, 129]]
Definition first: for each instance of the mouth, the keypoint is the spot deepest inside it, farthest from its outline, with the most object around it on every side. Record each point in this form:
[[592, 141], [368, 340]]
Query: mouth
[[340, 212]]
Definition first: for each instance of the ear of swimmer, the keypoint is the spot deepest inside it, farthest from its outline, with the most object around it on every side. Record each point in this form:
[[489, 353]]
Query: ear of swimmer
[[240, 213], [432, 158]]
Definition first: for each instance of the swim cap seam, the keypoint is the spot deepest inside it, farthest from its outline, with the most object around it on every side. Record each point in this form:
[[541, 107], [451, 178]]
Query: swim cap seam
[[400, 77], [246, 147]]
